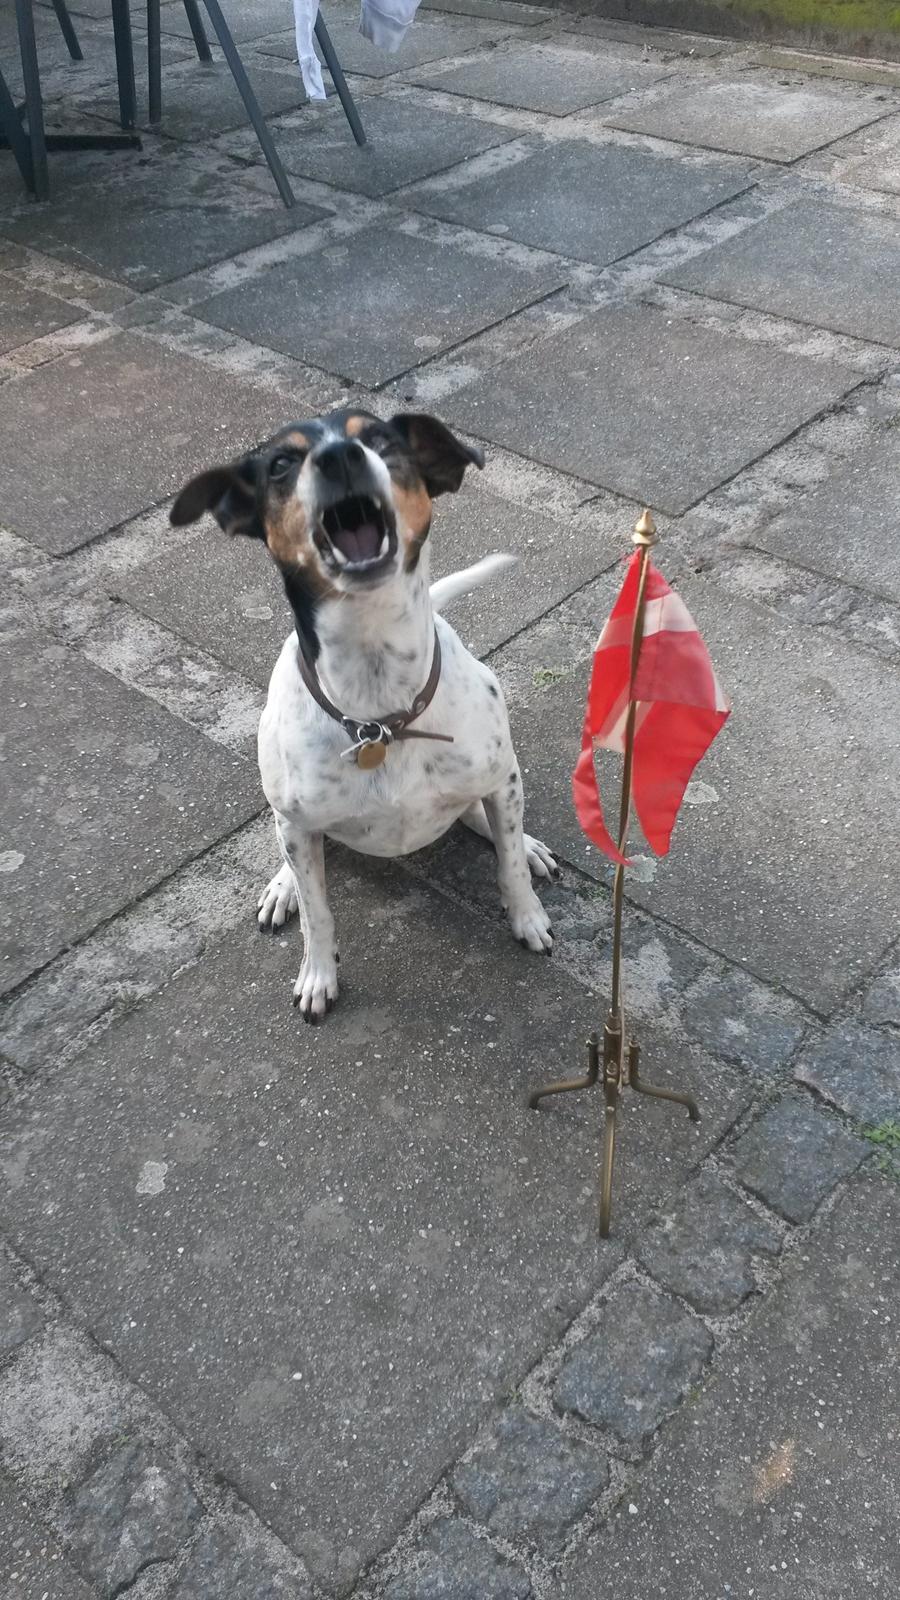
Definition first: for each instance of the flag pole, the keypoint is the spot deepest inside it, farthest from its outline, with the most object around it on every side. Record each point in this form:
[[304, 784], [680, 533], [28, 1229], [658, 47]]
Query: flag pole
[[620, 1069]]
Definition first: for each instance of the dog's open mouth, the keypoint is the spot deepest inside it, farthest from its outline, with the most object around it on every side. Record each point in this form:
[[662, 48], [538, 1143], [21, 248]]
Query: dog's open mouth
[[357, 535]]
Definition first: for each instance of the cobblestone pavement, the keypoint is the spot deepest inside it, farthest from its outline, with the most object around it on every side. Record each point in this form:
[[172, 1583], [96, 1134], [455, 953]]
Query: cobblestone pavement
[[296, 1313]]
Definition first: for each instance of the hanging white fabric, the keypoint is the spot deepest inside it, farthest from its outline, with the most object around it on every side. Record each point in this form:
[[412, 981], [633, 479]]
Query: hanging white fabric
[[384, 24], [305, 13]]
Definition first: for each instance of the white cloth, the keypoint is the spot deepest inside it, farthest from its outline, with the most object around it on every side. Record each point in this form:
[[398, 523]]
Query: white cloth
[[305, 13], [384, 24]]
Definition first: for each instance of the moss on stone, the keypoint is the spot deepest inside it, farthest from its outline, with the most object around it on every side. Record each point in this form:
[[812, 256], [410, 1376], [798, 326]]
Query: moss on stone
[[848, 16]]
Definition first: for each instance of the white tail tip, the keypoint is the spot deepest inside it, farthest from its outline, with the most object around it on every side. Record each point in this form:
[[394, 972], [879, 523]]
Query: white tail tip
[[448, 589]]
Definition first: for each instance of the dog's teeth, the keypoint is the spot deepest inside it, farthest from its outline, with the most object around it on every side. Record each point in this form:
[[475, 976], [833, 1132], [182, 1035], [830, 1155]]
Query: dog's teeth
[[339, 556], [384, 545]]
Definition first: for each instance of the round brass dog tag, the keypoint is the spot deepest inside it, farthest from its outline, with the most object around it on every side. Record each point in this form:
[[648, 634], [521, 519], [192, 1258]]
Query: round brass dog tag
[[371, 755]]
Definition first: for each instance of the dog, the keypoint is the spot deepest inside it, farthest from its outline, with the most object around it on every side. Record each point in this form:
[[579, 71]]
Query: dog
[[380, 730]]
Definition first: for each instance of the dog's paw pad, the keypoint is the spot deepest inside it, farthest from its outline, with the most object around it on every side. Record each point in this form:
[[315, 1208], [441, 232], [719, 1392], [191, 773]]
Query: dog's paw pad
[[278, 901]]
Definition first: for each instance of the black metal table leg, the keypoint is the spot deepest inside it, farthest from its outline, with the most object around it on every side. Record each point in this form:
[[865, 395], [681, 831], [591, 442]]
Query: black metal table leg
[[14, 134], [197, 29], [124, 63], [34, 105], [339, 81], [154, 62], [68, 30], [251, 104]]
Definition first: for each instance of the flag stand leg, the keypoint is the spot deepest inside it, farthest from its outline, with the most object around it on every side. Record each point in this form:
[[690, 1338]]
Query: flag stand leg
[[620, 1069]]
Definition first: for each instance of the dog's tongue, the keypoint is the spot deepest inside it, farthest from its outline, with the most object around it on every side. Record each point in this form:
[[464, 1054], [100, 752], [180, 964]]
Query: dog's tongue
[[359, 544]]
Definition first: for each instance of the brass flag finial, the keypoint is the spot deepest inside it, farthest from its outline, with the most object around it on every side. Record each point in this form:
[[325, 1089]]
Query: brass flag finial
[[645, 529]]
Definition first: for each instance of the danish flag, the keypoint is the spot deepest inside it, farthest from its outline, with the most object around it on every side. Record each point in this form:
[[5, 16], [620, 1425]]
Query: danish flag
[[679, 709]]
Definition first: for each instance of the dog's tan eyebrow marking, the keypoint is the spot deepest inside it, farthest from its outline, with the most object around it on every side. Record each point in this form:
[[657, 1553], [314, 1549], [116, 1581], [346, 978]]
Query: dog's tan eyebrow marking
[[354, 425], [298, 438]]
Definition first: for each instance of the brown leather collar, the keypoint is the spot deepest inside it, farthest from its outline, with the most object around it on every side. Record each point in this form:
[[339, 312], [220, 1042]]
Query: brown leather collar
[[384, 730]]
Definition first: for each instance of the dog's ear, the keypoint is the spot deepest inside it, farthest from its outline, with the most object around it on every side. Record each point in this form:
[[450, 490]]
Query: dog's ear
[[440, 457], [229, 492]]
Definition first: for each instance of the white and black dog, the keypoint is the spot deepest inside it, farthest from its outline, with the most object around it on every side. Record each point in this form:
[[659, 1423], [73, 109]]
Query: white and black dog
[[380, 729]]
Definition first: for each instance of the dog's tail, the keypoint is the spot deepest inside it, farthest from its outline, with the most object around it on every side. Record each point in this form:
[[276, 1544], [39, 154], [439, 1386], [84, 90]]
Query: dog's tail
[[448, 589]]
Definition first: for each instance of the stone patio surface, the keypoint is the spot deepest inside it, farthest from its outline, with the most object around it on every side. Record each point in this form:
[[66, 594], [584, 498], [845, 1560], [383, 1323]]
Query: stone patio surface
[[301, 1314]]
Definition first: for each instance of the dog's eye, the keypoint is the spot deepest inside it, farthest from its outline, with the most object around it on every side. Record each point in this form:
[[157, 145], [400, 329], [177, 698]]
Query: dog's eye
[[281, 465]]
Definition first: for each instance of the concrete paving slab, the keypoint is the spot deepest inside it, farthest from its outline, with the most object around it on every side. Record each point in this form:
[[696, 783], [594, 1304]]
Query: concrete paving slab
[[358, 307], [27, 313], [846, 529], [32, 1564], [70, 168], [747, 1490], [652, 406], [860, 70], [233, 605], [495, 11], [426, 41], [736, 1018], [765, 871], [45, 26], [62, 78], [222, 595], [98, 9], [592, 202], [881, 1003], [247, 19], [546, 77], [151, 219], [20, 1315], [879, 171], [832, 266], [670, 41], [200, 98], [96, 437], [773, 121], [328, 1339], [106, 795], [403, 146]]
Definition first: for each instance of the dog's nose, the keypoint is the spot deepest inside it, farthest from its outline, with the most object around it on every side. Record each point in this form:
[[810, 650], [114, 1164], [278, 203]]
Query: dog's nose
[[337, 460]]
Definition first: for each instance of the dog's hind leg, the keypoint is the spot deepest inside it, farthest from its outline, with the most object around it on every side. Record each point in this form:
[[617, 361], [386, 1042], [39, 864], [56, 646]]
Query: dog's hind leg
[[316, 988], [278, 900], [540, 862], [528, 919]]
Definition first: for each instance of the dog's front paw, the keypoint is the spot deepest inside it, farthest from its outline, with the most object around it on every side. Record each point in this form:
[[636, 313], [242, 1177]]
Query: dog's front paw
[[316, 988], [540, 862], [531, 926], [278, 901]]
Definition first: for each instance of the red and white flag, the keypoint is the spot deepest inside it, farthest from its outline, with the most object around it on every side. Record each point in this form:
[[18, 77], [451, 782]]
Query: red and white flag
[[679, 709]]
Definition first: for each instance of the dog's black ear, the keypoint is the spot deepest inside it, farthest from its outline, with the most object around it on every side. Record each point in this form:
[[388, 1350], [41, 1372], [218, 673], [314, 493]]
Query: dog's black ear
[[440, 457], [229, 492]]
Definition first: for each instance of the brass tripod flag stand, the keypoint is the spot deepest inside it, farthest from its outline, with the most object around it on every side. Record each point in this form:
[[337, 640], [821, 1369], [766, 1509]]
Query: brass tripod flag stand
[[655, 699]]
